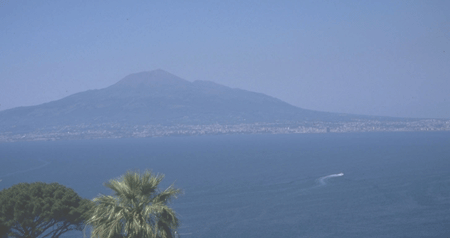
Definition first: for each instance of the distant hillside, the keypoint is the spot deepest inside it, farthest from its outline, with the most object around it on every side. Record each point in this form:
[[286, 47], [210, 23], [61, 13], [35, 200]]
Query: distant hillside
[[157, 103], [160, 98]]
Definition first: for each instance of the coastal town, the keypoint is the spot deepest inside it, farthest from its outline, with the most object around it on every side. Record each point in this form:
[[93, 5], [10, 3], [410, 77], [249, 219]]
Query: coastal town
[[111, 130]]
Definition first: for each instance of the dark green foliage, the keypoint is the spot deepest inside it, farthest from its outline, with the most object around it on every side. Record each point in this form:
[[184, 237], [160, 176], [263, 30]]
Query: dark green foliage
[[40, 209], [3, 231]]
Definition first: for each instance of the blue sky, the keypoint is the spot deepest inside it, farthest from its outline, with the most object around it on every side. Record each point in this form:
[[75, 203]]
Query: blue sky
[[388, 58]]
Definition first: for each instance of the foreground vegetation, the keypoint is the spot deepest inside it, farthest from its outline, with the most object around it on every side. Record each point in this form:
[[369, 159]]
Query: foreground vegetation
[[137, 208], [41, 210]]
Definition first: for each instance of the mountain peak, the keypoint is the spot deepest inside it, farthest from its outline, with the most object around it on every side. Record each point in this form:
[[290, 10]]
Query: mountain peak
[[156, 77]]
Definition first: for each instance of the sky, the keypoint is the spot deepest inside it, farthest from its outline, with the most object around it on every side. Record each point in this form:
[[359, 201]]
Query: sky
[[385, 58]]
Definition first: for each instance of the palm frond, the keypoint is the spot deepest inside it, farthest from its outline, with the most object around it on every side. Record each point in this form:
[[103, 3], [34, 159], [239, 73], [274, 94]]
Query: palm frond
[[136, 209]]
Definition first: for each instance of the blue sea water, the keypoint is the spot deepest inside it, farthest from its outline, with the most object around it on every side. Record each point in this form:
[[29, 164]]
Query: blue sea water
[[393, 184]]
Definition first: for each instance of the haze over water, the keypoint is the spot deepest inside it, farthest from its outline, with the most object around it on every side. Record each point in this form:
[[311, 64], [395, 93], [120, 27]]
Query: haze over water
[[307, 185]]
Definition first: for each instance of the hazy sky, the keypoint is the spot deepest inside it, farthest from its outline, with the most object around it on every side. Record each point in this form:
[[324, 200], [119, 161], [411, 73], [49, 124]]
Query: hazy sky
[[389, 58]]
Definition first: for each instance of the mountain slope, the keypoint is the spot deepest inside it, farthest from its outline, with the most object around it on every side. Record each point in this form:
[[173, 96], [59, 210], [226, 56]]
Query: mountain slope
[[158, 97]]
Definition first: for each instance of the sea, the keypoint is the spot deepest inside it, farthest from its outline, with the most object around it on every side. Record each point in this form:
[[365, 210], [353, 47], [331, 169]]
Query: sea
[[394, 184]]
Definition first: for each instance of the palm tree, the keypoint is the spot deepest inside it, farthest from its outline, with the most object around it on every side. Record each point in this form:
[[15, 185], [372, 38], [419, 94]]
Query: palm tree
[[137, 209]]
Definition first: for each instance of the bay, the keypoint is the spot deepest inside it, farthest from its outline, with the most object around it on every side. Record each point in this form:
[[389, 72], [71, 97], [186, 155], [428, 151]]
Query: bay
[[393, 184]]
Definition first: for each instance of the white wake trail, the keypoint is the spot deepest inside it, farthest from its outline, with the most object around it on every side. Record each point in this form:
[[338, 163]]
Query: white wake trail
[[322, 180], [26, 170]]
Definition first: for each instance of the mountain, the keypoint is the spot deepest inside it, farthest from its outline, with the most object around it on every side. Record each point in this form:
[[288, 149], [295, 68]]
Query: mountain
[[157, 103], [158, 97]]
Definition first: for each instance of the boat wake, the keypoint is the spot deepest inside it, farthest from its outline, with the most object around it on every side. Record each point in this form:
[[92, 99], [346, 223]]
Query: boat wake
[[45, 163], [323, 180]]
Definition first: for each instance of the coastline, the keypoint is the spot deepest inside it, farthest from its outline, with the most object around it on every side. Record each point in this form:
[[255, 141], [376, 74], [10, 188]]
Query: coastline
[[112, 131]]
